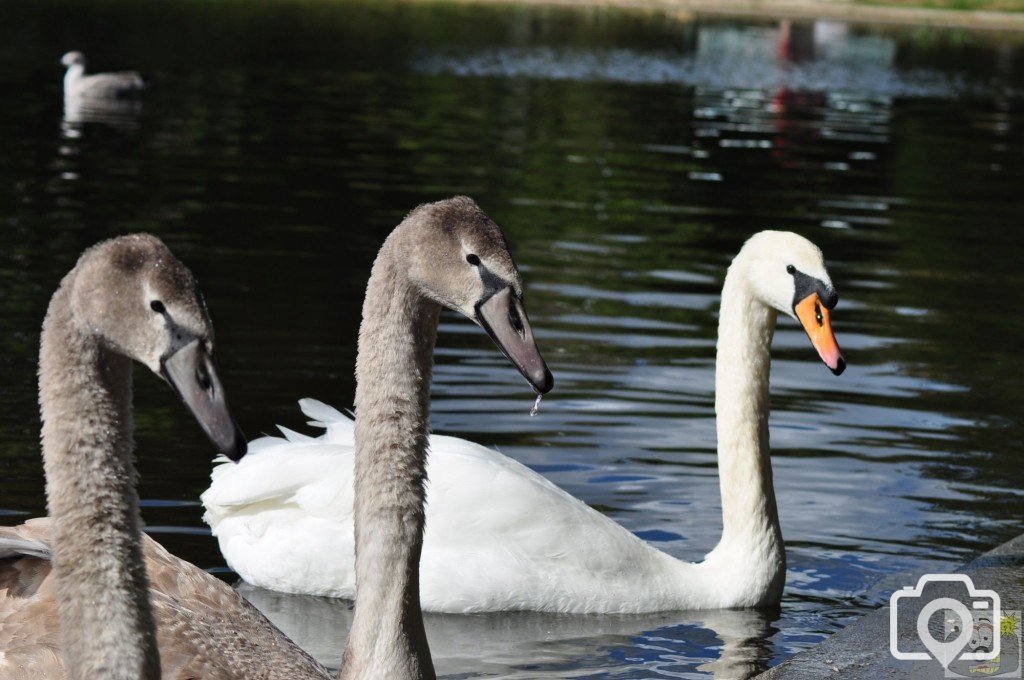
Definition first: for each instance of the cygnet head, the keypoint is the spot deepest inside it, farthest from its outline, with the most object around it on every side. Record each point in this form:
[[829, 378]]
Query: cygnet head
[[139, 300], [459, 258], [787, 272], [72, 58]]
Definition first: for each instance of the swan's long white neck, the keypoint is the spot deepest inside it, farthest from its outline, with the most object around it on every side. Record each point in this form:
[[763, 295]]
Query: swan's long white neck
[[393, 369], [751, 536], [72, 76], [85, 394]]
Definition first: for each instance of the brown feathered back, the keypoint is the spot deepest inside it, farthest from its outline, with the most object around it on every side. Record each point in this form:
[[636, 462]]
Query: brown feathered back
[[205, 629]]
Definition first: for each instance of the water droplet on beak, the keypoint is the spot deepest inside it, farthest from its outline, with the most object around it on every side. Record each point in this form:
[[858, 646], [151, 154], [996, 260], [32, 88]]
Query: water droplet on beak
[[536, 405]]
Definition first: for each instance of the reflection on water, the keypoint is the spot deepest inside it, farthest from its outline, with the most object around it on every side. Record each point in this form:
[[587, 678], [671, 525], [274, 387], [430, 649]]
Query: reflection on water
[[822, 55], [628, 157], [78, 110], [721, 644]]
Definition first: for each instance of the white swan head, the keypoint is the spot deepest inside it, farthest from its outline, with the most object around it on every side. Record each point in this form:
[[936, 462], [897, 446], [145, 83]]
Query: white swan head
[[73, 58], [139, 300], [787, 272], [459, 258]]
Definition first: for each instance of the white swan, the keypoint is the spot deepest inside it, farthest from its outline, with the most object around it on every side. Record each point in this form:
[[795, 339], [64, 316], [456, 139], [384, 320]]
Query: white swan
[[78, 85], [500, 536]]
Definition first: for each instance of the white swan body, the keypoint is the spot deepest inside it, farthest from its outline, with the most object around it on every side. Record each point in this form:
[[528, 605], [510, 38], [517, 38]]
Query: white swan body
[[96, 86], [499, 536]]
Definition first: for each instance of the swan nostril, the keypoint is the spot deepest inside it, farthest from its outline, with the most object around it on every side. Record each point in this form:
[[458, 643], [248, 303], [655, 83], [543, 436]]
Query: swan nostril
[[515, 320], [203, 378], [817, 314]]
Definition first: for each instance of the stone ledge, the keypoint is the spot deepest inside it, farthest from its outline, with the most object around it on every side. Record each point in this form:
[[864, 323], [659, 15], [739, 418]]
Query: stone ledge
[[861, 650]]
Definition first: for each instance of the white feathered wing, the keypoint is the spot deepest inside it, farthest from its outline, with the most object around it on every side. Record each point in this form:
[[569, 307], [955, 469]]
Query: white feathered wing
[[498, 536]]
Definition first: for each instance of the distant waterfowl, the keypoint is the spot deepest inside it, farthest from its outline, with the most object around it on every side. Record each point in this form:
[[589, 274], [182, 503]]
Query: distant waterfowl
[[79, 86], [74, 598], [500, 536]]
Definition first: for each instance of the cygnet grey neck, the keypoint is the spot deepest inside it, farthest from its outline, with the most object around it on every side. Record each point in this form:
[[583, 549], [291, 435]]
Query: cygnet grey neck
[[85, 395], [393, 371]]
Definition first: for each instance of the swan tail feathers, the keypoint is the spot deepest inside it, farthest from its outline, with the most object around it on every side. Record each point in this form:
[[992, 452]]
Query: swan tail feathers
[[340, 426], [320, 412], [295, 437], [290, 474], [260, 443]]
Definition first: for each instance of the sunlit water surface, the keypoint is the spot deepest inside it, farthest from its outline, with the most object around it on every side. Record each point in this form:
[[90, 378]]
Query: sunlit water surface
[[627, 156]]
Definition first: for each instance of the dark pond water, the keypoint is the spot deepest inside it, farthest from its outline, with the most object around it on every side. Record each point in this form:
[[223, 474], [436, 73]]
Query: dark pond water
[[627, 156]]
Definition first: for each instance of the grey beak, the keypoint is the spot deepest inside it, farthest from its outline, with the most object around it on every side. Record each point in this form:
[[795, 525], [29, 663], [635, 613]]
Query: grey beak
[[190, 371], [503, 317]]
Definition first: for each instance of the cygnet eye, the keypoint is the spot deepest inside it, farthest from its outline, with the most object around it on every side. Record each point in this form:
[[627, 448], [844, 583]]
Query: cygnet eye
[[157, 306], [473, 260]]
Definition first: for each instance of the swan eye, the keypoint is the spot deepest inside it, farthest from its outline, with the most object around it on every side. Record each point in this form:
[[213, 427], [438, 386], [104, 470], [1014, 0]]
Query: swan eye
[[157, 306], [790, 269], [473, 260]]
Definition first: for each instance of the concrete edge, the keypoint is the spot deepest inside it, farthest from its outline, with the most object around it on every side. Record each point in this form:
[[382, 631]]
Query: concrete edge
[[861, 650]]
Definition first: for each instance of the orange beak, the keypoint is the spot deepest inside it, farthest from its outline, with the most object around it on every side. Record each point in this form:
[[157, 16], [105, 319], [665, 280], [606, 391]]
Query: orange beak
[[815, 318]]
